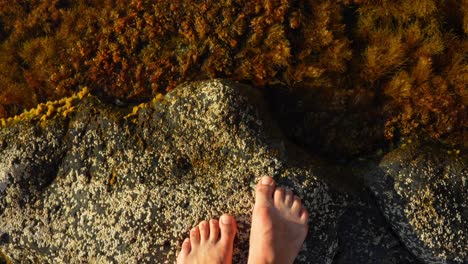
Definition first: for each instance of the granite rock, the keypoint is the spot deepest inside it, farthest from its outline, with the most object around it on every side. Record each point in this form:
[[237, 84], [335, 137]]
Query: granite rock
[[366, 238], [422, 190], [109, 186]]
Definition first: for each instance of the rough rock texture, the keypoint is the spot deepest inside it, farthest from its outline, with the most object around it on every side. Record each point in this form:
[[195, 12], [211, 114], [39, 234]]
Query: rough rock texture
[[365, 237], [110, 185], [102, 187], [422, 190]]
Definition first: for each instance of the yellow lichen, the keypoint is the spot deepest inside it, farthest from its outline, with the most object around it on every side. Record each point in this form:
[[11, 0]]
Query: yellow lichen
[[45, 111], [84, 92], [69, 103], [51, 110], [402, 62], [135, 110], [157, 98], [68, 111]]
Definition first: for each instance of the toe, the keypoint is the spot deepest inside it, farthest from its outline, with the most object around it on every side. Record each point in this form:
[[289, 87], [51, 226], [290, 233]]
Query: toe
[[204, 231], [228, 227], [185, 250], [195, 236], [296, 206], [264, 190], [214, 230], [279, 196], [304, 218], [185, 247], [288, 198]]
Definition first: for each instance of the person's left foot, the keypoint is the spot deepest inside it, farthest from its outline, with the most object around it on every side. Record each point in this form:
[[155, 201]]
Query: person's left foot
[[206, 246]]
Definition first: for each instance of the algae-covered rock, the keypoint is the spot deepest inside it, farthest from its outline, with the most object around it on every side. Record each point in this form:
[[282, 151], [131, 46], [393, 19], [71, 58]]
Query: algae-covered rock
[[422, 191], [104, 185]]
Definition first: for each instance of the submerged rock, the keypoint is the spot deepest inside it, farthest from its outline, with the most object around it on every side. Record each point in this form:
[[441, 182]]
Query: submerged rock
[[104, 186], [422, 191]]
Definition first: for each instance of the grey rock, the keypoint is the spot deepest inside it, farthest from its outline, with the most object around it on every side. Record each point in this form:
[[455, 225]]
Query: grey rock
[[104, 187], [422, 191], [108, 186], [366, 238]]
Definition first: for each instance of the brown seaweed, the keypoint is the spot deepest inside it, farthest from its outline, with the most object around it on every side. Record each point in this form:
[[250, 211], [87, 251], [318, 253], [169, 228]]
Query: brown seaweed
[[402, 62]]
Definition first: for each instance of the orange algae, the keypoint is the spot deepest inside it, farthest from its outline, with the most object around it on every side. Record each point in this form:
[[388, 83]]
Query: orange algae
[[370, 70]]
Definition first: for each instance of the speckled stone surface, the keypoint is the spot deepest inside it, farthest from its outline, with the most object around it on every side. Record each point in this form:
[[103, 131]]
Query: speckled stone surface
[[112, 185], [102, 188], [422, 191], [365, 237]]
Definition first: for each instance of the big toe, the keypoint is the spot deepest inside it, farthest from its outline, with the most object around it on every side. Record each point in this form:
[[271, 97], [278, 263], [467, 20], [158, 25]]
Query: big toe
[[264, 190], [228, 227]]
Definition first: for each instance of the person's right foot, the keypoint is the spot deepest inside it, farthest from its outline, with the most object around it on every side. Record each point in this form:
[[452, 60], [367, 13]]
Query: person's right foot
[[279, 225]]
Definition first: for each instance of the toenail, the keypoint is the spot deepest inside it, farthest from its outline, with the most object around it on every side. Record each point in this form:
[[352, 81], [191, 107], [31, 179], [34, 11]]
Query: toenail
[[225, 220], [266, 180]]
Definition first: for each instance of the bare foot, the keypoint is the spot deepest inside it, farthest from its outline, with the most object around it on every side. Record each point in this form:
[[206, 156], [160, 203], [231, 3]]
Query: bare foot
[[205, 246], [279, 225]]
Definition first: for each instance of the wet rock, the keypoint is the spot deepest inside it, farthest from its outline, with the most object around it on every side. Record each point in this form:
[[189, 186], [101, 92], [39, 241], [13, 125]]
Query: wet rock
[[422, 191], [106, 186], [366, 238]]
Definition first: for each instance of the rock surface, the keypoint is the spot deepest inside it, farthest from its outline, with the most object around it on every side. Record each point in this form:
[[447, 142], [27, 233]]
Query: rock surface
[[105, 187], [365, 237], [108, 185], [422, 191]]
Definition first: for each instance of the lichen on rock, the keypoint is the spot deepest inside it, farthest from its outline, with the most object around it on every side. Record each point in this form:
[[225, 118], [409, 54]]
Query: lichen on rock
[[121, 189], [120, 184], [422, 192]]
